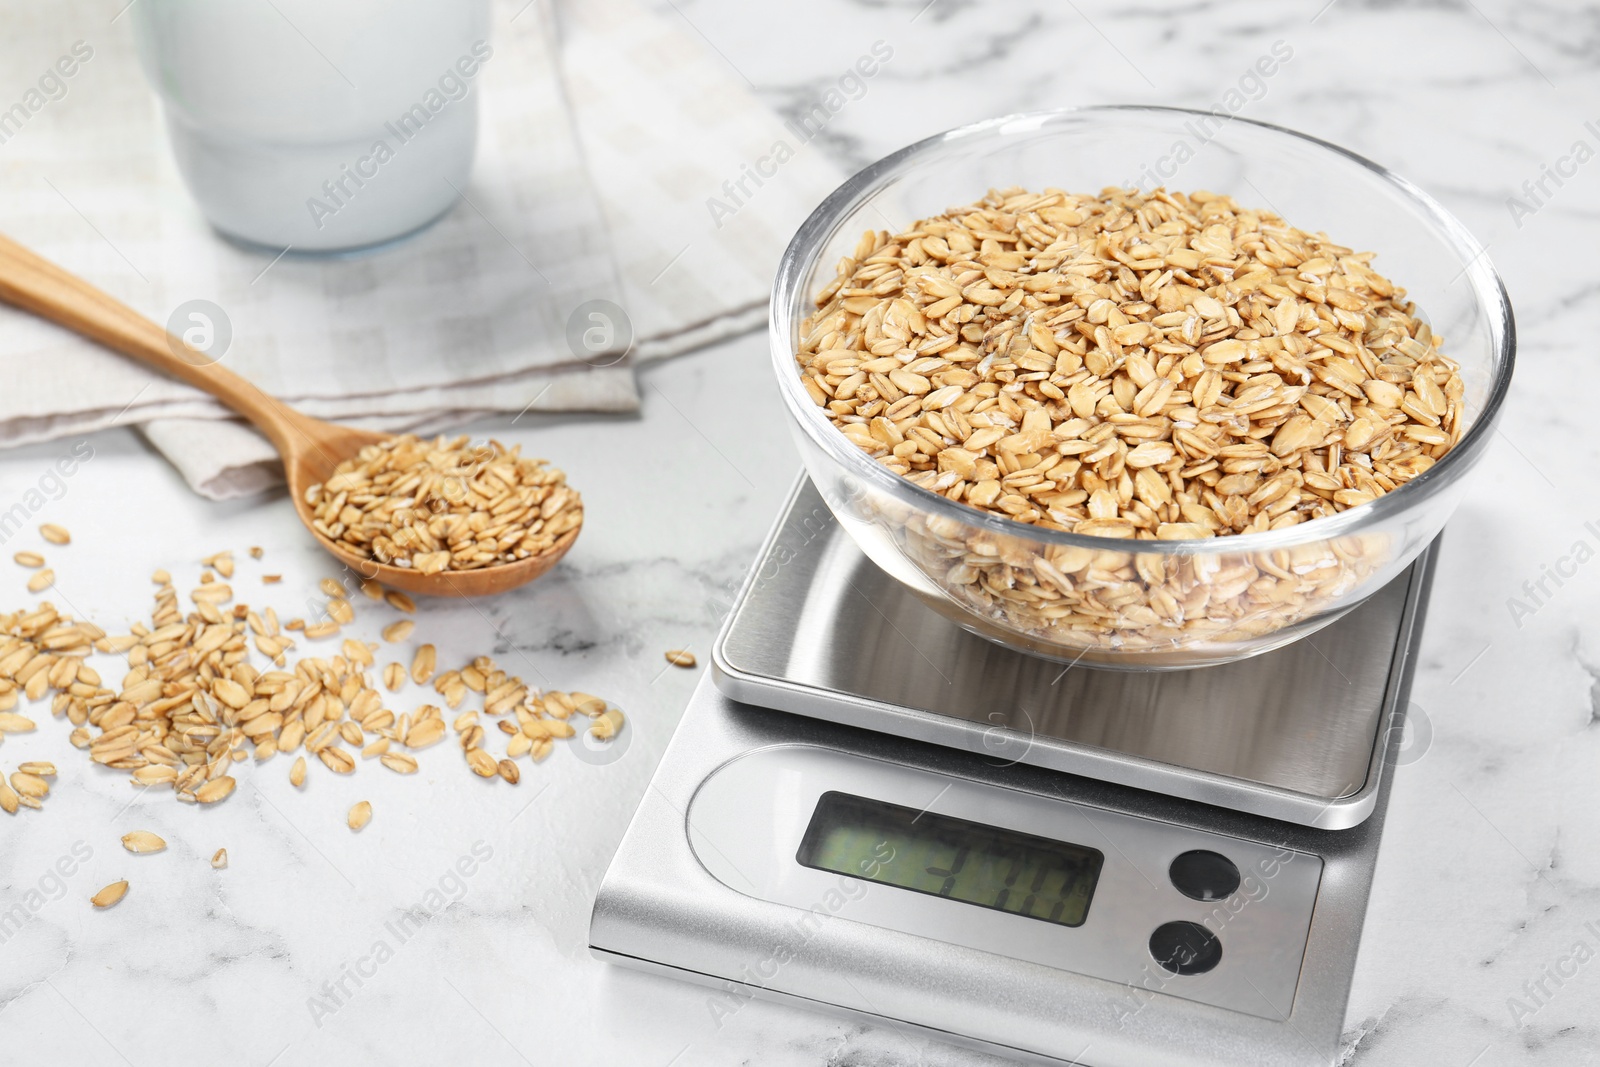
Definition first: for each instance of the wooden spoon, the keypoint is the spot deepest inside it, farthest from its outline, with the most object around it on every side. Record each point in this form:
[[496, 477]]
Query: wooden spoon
[[310, 448]]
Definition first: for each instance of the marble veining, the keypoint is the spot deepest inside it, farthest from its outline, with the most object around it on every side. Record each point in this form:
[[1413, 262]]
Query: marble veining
[[1488, 888]]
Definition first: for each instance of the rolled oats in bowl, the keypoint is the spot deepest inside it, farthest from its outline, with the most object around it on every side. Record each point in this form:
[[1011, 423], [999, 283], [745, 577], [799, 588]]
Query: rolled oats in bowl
[[1138, 428], [1126, 365]]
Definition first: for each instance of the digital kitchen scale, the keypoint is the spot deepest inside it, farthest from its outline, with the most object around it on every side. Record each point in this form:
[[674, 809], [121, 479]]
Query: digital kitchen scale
[[868, 810]]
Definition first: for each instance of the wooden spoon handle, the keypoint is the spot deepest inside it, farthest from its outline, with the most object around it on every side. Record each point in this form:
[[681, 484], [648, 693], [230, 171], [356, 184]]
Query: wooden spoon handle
[[33, 283]]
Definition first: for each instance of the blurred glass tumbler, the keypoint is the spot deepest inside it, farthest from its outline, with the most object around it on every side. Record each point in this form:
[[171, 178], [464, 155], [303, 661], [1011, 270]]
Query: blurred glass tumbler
[[321, 127]]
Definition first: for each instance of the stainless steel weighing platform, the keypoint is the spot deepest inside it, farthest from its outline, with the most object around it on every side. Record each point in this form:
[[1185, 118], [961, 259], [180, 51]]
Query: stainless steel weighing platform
[[868, 810]]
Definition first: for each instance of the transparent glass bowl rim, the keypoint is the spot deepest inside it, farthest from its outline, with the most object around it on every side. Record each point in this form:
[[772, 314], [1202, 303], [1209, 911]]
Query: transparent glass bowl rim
[[789, 304]]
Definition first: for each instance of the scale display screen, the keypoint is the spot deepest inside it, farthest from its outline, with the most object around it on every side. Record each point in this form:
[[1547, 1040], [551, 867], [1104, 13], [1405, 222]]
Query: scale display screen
[[929, 853]]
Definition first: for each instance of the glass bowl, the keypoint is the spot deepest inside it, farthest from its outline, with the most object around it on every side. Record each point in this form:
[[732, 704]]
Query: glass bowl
[[1145, 604]]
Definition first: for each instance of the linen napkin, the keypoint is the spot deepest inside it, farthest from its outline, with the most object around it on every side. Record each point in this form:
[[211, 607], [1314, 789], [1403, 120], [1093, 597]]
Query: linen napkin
[[606, 130]]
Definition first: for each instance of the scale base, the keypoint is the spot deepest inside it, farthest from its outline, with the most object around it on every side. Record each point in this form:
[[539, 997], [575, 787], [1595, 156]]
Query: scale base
[[659, 908], [706, 887]]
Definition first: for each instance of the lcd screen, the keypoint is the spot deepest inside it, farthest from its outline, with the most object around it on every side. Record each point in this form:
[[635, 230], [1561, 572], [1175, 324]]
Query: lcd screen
[[930, 853]]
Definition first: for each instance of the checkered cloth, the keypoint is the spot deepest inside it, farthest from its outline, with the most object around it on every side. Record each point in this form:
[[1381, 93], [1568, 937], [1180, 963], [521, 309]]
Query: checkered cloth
[[605, 129]]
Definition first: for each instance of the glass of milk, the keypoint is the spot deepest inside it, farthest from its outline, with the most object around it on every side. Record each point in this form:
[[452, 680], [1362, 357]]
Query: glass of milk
[[318, 126]]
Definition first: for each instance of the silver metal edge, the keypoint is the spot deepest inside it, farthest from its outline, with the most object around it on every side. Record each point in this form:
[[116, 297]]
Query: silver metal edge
[[721, 667], [1397, 691], [1121, 769], [778, 996]]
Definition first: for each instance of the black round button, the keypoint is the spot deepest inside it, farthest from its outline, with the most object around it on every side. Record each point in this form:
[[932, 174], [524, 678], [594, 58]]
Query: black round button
[[1203, 875], [1185, 948]]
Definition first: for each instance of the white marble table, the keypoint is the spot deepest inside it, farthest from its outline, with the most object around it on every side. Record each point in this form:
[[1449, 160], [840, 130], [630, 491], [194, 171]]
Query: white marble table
[[1490, 868]]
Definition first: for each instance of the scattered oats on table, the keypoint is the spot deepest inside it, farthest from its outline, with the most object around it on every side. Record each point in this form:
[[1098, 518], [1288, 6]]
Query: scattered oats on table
[[30, 785], [483, 764], [192, 703], [442, 505], [399, 762], [110, 895], [216, 789], [606, 725], [422, 664], [681, 658], [143, 841]]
